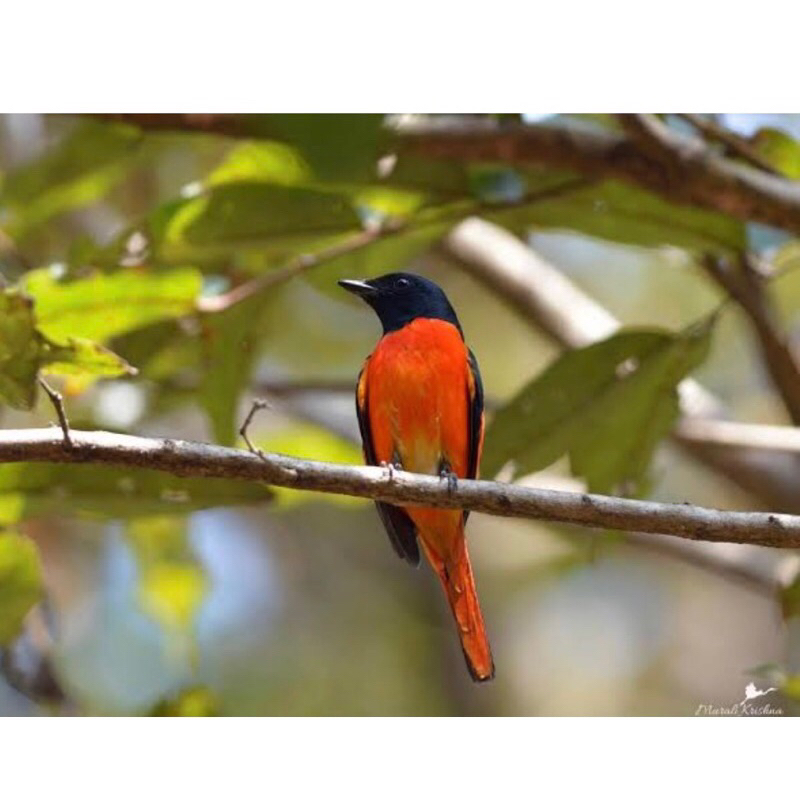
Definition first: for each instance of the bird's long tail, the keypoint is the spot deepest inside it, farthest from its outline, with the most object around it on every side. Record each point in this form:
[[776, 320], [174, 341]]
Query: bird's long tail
[[455, 573]]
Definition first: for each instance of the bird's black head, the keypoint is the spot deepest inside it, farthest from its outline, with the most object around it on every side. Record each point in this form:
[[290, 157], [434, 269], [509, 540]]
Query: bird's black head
[[400, 297]]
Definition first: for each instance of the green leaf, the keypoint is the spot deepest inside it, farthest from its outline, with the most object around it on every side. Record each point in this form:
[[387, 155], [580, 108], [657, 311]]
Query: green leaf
[[246, 223], [20, 349], [24, 351], [229, 344], [623, 213], [78, 170], [606, 405], [249, 213], [105, 305], [34, 490], [780, 150], [81, 357], [337, 147], [20, 583]]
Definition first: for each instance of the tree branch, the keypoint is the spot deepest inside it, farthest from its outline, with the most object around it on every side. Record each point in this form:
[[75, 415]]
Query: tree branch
[[702, 177], [185, 459], [745, 286], [734, 144]]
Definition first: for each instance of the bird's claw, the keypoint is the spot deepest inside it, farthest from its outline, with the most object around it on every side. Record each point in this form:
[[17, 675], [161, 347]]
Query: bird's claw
[[390, 469], [452, 479]]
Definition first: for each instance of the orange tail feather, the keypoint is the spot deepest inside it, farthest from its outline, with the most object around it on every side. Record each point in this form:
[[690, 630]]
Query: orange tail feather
[[455, 573]]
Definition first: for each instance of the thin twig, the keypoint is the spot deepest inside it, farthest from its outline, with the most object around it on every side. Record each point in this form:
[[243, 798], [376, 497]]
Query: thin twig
[[745, 286], [734, 144], [258, 405], [296, 266], [186, 459], [58, 403]]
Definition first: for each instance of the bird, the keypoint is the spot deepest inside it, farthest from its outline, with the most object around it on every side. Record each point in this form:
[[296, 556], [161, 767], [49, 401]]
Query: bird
[[419, 402]]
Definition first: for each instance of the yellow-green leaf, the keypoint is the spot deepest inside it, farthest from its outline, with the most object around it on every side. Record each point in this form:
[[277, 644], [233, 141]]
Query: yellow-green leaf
[[780, 150], [105, 305], [82, 357], [20, 583], [20, 347]]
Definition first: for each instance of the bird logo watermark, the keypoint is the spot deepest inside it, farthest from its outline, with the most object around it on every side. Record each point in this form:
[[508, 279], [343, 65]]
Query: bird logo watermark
[[751, 706]]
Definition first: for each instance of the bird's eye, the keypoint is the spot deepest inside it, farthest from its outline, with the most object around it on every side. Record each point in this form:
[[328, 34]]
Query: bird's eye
[[402, 283]]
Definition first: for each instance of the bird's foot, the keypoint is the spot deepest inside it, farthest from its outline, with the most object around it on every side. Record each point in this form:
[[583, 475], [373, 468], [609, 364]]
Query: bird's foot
[[447, 474], [390, 468]]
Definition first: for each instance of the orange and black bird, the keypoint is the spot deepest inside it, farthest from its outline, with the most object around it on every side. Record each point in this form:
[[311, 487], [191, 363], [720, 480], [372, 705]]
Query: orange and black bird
[[419, 402]]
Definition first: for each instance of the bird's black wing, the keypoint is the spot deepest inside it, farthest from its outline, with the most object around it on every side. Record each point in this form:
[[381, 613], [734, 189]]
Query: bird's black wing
[[398, 524], [475, 418]]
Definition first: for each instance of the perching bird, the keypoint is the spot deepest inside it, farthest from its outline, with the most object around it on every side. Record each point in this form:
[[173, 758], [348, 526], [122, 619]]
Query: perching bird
[[419, 401]]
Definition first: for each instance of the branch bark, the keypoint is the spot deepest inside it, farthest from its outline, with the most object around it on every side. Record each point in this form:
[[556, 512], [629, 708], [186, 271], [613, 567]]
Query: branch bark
[[734, 144], [745, 286], [185, 459], [700, 177]]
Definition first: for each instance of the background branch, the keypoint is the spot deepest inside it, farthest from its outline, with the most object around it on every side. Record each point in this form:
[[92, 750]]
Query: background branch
[[745, 285], [550, 302], [734, 144]]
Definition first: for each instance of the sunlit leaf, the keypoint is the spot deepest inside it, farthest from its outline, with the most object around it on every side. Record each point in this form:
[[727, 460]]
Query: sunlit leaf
[[779, 149], [20, 349], [20, 583], [24, 351], [104, 305], [81, 357], [606, 405], [269, 162]]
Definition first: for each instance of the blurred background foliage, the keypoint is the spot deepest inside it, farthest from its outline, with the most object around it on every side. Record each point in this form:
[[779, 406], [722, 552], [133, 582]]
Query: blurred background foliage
[[124, 254]]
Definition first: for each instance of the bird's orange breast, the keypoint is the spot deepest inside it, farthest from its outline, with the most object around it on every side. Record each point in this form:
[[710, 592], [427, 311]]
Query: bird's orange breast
[[418, 396]]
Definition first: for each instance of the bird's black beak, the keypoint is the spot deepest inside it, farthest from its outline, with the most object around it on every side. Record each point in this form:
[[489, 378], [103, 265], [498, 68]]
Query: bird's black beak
[[361, 288]]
